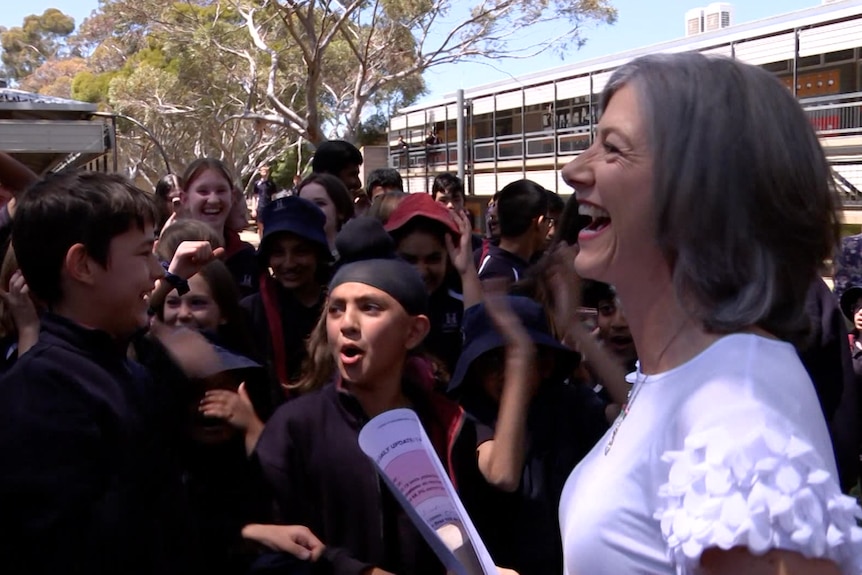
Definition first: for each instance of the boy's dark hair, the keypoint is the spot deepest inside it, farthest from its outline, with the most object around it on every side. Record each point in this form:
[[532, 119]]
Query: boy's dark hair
[[518, 204], [333, 156], [448, 183], [385, 177], [593, 292], [69, 208], [556, 205]]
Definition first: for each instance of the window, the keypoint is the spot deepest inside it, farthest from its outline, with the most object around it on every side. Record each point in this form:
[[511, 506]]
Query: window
[[839, 56], [777, 67], [809, 61]]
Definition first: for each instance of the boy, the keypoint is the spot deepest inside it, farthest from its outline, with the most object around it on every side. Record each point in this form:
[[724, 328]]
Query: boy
[[342, 160], [522, 209], [87, 483]]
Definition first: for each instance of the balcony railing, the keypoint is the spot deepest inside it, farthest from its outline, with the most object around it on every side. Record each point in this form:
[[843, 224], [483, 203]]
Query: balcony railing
[[831, 116], [839, 115]]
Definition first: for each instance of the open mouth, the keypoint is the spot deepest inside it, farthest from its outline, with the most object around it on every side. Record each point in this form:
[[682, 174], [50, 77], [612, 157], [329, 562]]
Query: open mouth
[[599, 218], [350, 354]]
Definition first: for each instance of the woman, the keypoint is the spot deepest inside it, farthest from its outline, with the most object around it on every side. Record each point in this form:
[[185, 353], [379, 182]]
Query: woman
[[711, 213]]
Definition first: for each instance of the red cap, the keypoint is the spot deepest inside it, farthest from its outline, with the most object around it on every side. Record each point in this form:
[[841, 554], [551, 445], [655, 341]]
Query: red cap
[[420, 206]]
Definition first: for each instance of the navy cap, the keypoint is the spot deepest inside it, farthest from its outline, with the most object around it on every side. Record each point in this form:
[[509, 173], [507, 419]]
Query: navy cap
[[481, 336], [364, 238], [293, 215]]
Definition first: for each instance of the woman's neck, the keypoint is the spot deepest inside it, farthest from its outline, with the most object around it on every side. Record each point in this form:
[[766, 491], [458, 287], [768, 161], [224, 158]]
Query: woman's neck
[[665, 334]]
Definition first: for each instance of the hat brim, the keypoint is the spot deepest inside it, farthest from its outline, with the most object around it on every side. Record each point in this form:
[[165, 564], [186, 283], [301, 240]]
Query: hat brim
[[266, 240], [231, 362], [567, 359]]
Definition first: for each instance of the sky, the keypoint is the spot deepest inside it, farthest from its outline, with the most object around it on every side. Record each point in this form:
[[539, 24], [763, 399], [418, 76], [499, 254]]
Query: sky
[[640, 23]]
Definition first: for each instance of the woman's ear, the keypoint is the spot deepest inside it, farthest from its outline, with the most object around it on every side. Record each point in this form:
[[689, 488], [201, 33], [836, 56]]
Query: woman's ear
[[419, 327]]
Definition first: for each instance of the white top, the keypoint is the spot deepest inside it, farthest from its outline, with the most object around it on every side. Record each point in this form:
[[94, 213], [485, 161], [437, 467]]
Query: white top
[[729, 449]]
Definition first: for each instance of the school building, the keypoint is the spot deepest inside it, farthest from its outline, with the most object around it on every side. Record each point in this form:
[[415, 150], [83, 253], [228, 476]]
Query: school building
[[531, 126]]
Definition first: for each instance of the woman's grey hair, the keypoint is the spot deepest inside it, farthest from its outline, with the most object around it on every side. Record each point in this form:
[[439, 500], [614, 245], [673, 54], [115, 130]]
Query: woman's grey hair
[[745, 205]]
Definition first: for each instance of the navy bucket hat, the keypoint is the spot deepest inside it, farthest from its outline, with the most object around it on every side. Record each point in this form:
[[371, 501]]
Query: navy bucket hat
[[481, 336], [293, 215]]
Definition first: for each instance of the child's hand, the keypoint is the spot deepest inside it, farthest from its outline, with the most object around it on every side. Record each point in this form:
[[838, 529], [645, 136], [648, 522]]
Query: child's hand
[[504, 319], [188, 348], [297, 540], [190, 257], [20, 305], [235, 408], [461, 255], [565, 286]]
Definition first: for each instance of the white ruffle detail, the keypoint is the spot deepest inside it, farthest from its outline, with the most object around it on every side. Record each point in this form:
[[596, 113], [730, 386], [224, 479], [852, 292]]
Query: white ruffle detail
[[767, 491]]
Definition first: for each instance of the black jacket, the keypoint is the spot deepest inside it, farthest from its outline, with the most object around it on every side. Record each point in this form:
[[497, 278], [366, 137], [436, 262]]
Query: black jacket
[[89, 482], [310, 456]]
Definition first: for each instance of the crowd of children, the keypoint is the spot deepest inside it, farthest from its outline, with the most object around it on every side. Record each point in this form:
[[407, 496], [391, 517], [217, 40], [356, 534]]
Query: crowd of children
[[174, 400]]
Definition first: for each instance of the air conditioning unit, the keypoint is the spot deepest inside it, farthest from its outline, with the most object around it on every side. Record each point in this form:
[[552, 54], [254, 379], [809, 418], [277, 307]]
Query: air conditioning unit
[[694, 22], [717, 15]]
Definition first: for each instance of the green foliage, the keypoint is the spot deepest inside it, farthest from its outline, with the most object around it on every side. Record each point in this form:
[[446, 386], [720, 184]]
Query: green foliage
[[38, 39], [91, 87]]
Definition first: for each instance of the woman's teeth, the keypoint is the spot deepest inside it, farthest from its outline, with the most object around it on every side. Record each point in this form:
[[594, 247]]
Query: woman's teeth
[[592, 211]]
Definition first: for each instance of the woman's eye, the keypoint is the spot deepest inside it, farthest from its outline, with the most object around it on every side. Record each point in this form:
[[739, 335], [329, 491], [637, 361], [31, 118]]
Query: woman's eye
[[610, 148]]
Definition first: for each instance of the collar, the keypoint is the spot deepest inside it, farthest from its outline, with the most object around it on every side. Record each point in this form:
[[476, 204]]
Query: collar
[[234, 244], [91, 341]]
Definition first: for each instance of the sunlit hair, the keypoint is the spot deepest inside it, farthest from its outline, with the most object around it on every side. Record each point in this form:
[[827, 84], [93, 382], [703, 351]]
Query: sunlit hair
[[199, 166], [185, 230], [384, 204], [318, 367], [745, 207]]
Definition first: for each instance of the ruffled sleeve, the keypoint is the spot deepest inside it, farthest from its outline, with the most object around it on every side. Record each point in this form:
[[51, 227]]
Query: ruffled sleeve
[[765, 490]]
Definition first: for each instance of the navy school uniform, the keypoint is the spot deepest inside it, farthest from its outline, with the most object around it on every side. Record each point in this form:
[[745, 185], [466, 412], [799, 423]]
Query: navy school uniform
[[499, 263], [297, 321], [309, 454], [444, 339], [89, 481], [241, 260], [564, 422]]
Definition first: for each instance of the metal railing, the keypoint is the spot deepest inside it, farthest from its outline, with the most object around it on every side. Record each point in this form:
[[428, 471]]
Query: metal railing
[[839, 115], [831, 116]]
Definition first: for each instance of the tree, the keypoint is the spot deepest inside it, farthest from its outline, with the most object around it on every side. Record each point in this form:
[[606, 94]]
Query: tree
[[156, 61], [352, 52], [54, 77], [38, 40]]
